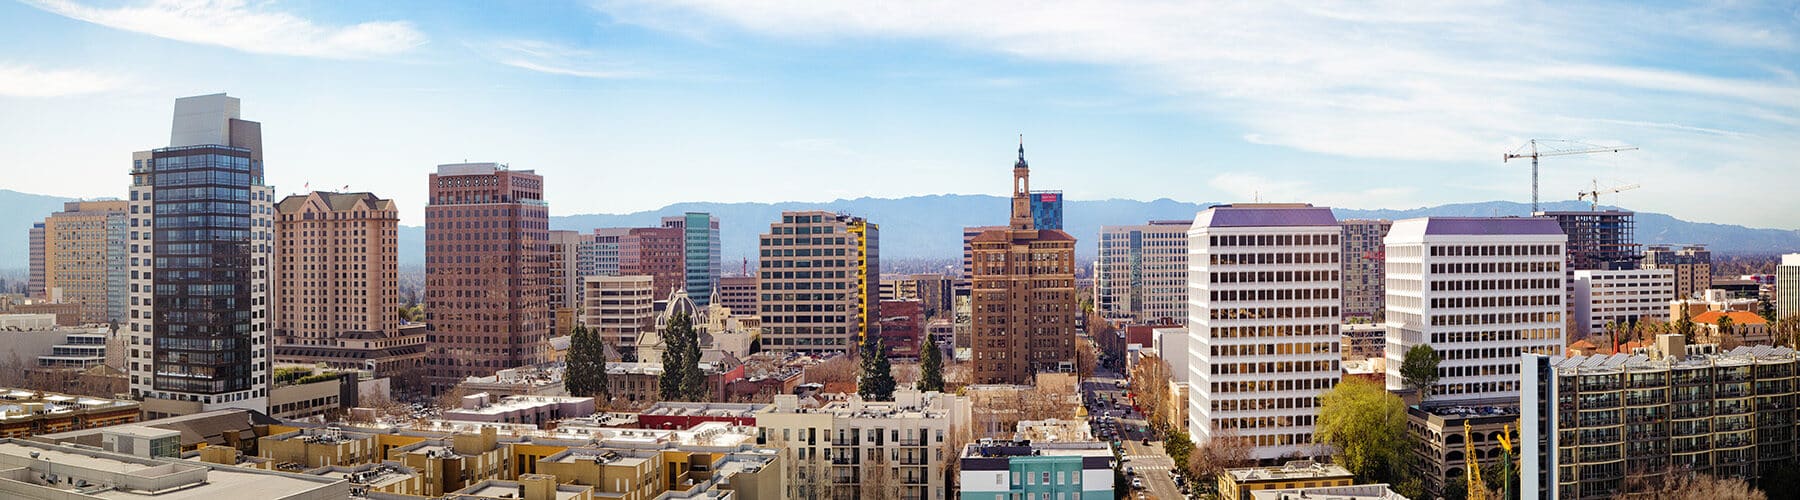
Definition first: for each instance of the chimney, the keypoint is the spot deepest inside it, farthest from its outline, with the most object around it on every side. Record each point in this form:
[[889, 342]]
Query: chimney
[[537, 487], [1672, 345]]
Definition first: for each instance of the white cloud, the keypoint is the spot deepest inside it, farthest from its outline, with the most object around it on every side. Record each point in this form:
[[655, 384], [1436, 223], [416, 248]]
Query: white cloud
[[1402, 80], [27, 81], [546, 57], [241, 25]]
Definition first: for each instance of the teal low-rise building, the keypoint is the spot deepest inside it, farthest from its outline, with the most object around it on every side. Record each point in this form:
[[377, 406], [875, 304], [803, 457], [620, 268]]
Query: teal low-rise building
[[1005, 470]]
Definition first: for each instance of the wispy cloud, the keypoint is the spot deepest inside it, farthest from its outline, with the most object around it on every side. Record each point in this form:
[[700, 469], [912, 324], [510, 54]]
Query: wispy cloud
[[27, 81], [241, 25], [1398, 80], [556, 59]]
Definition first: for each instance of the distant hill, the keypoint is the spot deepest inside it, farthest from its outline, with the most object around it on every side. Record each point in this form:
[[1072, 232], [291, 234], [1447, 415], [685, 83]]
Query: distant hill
[[18, 211], [931, 226]]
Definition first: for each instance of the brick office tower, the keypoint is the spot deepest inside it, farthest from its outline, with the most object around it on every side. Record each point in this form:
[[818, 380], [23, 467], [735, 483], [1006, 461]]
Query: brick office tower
[[1023, 295], [487, 286], [655, 252]]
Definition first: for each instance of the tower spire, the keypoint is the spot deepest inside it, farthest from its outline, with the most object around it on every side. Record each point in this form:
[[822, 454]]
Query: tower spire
[[1021, 163]]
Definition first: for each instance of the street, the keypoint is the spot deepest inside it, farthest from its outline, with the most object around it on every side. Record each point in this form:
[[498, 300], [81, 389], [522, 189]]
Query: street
[[1128, 428]]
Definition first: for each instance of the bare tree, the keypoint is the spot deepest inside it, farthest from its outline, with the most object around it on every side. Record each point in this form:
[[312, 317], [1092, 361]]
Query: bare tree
[[1087, 358], [1225, 450], [839, 369], [1683, 485]]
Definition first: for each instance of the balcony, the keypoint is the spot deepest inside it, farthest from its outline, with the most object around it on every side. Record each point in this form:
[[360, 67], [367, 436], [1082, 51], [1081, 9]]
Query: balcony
[[912, 442]]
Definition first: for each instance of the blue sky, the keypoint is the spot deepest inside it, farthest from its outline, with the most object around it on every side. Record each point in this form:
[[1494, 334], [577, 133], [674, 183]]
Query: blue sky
[[628, 106]]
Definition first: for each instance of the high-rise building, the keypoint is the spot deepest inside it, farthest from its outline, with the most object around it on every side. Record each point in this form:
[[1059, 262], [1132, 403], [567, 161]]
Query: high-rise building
[[200, 243], [1047, 210], [1592, 425], [969, 234], [619, 309], [34, 284], [1787, 286], [655, 252], [337, 284], [1142, 274], [819, 282], [933, 290], [1023, 295], [701, 269], [1692, 265], [1621, 297], [598, 255], [83, 259], [1480, 291], [1604, 240], [1365, 271], [565, 278], [1263, 321], [487, 277], [738, 293]]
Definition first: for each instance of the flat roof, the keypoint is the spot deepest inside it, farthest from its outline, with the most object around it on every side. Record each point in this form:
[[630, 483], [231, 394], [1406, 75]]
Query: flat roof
[[1300, 469], [213, 483], [1265, 215]]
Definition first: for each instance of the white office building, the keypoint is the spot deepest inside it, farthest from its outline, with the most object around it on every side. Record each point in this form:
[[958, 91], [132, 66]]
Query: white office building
[[1622, 297], [1263, 316], [1481, 291], [1141, 276]]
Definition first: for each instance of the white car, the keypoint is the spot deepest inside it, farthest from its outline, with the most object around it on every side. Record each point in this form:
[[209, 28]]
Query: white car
[[1137, 483]]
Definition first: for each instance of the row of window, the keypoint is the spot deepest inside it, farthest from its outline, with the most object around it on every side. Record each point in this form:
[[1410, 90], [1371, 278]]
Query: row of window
[[1275, 240]]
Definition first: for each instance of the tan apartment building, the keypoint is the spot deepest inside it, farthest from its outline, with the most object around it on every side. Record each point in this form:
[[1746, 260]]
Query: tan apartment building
[[565, 279], [1023, 294], [1692, 265], [83, 259], [619, 309], [850, 448], [819, 282], [337, 284]]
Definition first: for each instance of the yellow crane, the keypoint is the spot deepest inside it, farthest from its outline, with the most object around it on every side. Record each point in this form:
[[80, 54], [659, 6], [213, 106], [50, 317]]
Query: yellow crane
[[1477, 490], [1554, 147], [1594, 193]]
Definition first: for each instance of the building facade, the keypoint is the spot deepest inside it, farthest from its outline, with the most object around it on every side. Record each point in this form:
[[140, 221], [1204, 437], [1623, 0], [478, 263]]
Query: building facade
[[1019, 469], [1787, 286], [487, 277], [1047, 210], [1591, 423], [1142, 272], [34, 282], [1365, 270], [1599, 240], [1621, 297], [655, 252], [738, 293], [1692, 265], [1480, 291], [619, 309], [565, 278], [83, 258], [201, 241], [337, 285], [849, 448], [1023, 295], [598, 255], [819, 281], [1263, 317], [700, 251]]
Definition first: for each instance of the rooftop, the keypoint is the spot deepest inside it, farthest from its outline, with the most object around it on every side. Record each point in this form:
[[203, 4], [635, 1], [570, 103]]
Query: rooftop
[[1478, 226], [1614, 363], [741, 410], [1265, 215], [86, 473], [1353, 492], [1298, 469]]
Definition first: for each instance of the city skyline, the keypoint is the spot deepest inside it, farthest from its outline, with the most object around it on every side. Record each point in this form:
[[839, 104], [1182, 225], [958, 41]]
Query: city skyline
[[610, 96]]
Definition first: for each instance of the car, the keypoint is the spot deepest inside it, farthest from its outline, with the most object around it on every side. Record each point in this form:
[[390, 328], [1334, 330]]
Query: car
[[1130, 471], [1137, 483], [1146, 441]]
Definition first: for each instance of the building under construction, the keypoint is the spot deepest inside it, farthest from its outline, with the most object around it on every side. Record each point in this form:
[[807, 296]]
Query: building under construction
[[1603, 240]]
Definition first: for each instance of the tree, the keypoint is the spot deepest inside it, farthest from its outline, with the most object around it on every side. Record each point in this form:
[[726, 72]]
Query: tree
[[674, 357], [1681, 485], [1225, 450], [1178, 446], [1087, 357], [693, 379], [1420, 369], [1685, 324], [584, 372], [877, 380], [931, 369], [1767, 310], [1367, 425]]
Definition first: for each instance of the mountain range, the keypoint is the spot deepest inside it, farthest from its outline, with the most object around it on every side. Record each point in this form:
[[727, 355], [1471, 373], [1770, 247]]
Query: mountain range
[[931, 226]]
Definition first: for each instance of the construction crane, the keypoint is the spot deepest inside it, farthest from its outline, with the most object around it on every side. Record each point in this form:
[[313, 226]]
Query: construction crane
[[1506, 462], [1595, 193], [1477, 489], [1554, 147]]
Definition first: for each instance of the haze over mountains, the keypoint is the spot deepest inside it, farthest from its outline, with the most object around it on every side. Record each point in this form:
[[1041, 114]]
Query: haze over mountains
[[931, 226]]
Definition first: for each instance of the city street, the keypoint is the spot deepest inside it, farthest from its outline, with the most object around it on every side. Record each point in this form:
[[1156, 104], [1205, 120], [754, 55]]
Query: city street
[[1151, 464]]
